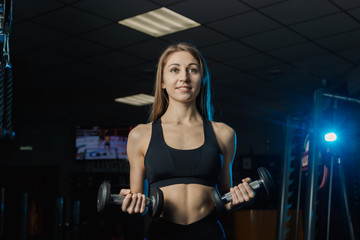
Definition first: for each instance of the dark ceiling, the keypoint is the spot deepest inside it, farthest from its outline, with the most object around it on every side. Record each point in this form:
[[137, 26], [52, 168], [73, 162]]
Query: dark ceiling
[[71, 58]]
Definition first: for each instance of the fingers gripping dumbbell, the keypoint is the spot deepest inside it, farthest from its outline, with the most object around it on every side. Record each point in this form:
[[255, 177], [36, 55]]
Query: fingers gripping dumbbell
[[265, 181], [155, 201]]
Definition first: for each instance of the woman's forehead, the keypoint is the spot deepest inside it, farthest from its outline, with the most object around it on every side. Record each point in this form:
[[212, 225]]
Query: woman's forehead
[[181, 57]]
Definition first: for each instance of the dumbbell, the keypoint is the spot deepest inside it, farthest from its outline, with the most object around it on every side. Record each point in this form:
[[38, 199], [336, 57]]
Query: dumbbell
[[155, 201], [265, 181]]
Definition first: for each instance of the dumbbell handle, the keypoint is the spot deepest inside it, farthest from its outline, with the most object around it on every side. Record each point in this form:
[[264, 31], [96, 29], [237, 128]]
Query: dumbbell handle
[[119, 199], [254, 185]]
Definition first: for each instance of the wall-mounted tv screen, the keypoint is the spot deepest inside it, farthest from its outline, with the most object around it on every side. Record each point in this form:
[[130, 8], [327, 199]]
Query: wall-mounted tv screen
[[98, 142]]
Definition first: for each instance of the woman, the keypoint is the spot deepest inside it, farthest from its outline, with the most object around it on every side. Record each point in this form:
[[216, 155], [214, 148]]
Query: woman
[[183, 152]]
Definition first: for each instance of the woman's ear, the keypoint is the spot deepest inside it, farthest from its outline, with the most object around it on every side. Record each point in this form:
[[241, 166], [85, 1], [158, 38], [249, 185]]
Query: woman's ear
[[162, 85]]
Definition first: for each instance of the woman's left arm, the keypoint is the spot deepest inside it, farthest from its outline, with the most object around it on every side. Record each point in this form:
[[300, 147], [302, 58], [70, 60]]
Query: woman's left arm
[[242, 192]]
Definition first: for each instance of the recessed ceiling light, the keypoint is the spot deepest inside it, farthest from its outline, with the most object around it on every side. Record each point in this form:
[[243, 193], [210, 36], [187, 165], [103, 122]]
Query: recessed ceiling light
[[137, 100], [159, 22]]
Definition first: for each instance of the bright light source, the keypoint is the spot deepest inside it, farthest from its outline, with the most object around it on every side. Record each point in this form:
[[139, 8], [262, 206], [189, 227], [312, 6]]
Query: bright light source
[[159, 22], [330, 137], [137, 100]]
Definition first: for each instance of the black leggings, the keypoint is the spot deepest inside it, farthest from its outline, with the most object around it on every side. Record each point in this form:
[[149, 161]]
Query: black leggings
[[208, 228]]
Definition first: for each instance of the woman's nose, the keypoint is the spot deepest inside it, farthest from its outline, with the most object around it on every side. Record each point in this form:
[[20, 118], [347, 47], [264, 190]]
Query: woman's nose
[[184, 76]]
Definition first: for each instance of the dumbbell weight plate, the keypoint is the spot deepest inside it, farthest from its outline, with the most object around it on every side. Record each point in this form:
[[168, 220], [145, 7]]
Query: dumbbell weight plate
[[265, 181], [268, 182], [219, 204], [103, 197], [157, 202]]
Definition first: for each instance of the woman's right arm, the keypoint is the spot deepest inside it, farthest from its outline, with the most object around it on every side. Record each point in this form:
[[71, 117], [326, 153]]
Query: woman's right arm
[[138, 141]]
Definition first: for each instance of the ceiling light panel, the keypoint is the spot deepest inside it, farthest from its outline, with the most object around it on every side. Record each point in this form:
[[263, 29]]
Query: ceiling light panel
[[137, 100], [159, 22]]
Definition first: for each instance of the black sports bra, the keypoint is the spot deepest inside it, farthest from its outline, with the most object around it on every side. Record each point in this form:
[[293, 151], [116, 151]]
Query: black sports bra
[[165, 165]]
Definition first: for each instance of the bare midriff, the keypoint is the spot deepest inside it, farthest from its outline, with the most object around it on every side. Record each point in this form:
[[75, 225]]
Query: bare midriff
[[186, 203]]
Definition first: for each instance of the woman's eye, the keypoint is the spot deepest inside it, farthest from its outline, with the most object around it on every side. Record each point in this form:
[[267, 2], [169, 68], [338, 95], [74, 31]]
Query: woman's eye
[[192, 70], [174, 70]]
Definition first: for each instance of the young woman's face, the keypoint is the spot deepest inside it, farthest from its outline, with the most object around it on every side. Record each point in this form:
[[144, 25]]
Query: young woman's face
[[182, 77]]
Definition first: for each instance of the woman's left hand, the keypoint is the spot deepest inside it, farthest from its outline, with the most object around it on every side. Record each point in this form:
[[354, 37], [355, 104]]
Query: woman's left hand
[[241, 193]]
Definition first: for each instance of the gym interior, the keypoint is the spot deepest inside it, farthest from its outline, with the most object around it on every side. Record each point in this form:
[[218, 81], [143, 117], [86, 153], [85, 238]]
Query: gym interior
[[285, 76]]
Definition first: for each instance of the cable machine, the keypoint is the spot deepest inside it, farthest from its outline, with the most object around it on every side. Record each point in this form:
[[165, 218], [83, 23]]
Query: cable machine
[[321, 157], [6, 80]]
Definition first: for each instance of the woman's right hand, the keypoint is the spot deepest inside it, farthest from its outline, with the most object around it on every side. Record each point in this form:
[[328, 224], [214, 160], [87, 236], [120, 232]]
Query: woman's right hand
[[133, 202]]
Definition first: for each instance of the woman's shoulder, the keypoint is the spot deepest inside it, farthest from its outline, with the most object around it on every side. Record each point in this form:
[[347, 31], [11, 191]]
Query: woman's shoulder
[[140, 132], [225, 136], [139, 138], [222, 129]]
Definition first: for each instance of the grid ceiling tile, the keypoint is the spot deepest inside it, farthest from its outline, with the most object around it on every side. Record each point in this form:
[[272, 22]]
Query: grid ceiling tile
[[69, 1], [43, 59], [341, 41], [295, 11], [348, 4], [149, 50], [44, 80], [256, 61], [71, 20], [210, 11], [199, 36], [273, 108], [262, 3], [219, 70], [116, 10], [241, 97], [335, 71], [144, 71], [276, 72], [17, 48], [319, 63], [78, 70], [297, 81], [239, 26], [165, 2], [114, 60], [227, 50], [34, 35], [114, 79], [236, 80], [352, 55], [298, 52], [29, 9], [75, 48], [273, 39], [48, 36], [115, 36], [355, 13], [327, 26], [265, 90]]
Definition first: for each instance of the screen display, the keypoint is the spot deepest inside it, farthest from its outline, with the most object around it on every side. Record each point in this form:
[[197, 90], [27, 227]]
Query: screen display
[[95, 142]]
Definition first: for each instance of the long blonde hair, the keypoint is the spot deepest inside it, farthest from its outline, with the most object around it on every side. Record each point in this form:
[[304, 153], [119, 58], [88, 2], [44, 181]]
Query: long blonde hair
[[203, 100]]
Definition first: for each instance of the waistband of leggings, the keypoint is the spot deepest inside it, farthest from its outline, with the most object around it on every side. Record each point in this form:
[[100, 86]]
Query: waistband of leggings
[[211, 217]]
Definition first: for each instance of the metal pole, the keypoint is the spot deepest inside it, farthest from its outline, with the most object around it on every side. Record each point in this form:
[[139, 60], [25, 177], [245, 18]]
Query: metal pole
[[298, 200], [76, 219], [281, 222], [345, 199], [24, 210], [341, 97], [59, 215], [313, 166], [2, 212], [330, 196]]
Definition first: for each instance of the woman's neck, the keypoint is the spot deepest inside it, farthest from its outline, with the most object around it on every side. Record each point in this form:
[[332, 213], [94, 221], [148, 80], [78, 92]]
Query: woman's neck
[[181, 112]]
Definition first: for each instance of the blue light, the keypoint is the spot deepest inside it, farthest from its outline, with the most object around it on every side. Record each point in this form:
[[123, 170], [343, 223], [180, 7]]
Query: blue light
[[330, 137]]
